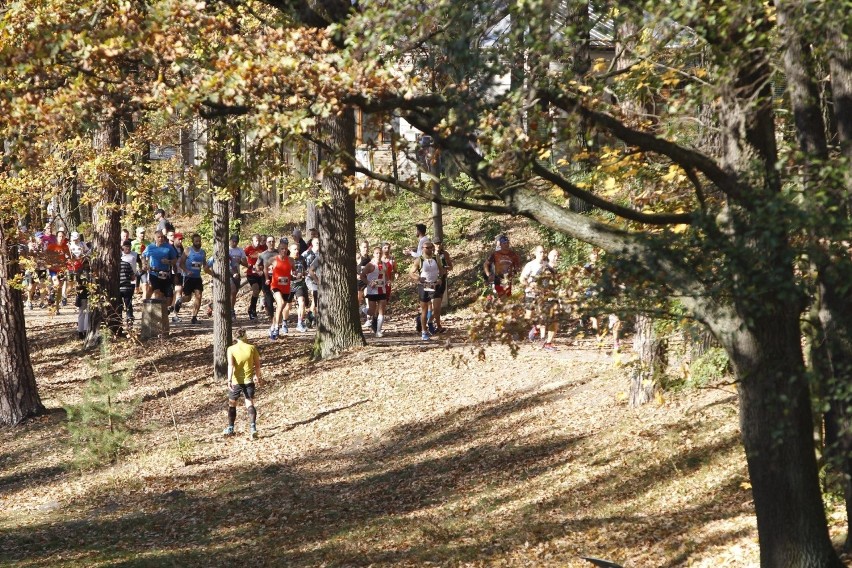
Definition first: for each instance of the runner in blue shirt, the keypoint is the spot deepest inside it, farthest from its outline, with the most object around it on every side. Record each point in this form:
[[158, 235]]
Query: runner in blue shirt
[[193, 261], [158, 259]]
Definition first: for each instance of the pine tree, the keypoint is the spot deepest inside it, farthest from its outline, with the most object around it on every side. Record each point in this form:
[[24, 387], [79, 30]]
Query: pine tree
[[99, 423]]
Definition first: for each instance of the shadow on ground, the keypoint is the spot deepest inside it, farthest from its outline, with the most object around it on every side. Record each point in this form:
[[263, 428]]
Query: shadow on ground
[[295, 513]]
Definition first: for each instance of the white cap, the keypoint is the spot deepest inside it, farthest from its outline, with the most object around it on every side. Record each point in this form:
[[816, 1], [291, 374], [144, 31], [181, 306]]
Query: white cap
[[75, 235]]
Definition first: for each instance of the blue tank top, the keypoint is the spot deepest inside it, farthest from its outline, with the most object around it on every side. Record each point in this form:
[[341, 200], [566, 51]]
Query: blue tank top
[[156, 255], [195, 262]]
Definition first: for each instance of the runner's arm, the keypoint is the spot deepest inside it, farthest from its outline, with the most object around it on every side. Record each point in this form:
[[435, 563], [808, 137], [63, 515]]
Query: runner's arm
[[258, 379], [231, 363]]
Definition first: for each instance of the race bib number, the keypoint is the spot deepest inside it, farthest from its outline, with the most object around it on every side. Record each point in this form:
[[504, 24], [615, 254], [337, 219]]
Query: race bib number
[[380, 283], [429, 286], [283, 281], [163, 274], [196, 265]]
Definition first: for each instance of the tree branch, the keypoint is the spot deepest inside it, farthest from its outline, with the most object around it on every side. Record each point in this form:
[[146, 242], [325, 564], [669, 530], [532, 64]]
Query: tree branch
[[624, 212], [685, 157], [461, 204]]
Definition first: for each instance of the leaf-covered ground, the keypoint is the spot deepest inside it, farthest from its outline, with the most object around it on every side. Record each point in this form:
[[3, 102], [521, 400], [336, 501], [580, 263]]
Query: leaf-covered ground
[[399, 454]]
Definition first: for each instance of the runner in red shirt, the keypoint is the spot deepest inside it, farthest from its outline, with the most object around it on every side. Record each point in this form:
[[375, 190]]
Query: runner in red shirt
[[255, 279], [279, 282], [57, 254], [501, 267]]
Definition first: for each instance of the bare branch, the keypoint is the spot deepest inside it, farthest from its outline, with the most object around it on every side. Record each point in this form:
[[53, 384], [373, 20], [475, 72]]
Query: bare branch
[[624, 212]]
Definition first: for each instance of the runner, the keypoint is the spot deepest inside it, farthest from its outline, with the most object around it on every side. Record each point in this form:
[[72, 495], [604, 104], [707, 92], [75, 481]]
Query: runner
[[84, 319], [298, 286], [263, 268], [311, 257], [243, 377], [255, 279], [376, 275], [77, 250], [529, 282], [191, 263], [162, 224], [421, 240], [158, 260], [446, 262], [387, 257], [279, 281], [427, 272], [57, 258], [137, 245], [297, 238], [128, 272], [551, 304], [501, 267], [236, 257], [176, 240], [362, 259]]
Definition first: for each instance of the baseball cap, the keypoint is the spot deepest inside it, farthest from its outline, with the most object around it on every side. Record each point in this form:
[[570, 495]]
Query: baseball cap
[[502, 239], [283, 241], [178, 235], [75, 235]]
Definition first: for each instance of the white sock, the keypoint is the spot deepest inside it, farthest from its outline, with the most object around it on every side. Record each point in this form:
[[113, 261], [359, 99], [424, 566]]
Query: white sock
[[379, 321]]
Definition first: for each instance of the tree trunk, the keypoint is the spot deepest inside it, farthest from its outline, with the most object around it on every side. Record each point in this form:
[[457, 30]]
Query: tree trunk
[[18, 392], [105, 304], [339, 326], [220, 182], [69, 202], [652, 350], [776, 425], [437, 210], [222, 331]]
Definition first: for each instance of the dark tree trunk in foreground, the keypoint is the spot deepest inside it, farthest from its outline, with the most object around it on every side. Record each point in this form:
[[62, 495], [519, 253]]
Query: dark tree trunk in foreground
[[339, 326], [18, 393], [105, 304], [220, 181], [222, 330], [777, 427]]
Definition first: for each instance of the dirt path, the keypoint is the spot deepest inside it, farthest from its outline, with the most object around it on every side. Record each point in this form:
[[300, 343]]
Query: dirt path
[[404, 453]]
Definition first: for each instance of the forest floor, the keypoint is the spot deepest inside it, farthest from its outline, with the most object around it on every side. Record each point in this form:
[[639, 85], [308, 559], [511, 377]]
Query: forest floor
[[403, 453]]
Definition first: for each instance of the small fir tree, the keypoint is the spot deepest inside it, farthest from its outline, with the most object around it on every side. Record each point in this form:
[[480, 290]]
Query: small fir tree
[[99, 423]]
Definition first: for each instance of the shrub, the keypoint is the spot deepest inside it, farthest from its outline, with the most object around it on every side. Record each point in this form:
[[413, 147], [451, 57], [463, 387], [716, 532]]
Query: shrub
[[98, 424]]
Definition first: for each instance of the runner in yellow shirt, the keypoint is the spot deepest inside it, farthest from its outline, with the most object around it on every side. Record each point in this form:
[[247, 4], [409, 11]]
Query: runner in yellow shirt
[[243, 376]]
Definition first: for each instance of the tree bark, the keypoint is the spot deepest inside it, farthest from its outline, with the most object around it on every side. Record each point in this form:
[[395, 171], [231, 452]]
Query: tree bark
[[776, 424], [220, 182], [222, 329], [105, 304], [647, 376], [339, 326], [19, 397]]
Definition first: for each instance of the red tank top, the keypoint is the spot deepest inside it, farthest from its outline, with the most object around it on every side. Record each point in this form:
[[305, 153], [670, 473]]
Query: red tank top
[[282, 273]]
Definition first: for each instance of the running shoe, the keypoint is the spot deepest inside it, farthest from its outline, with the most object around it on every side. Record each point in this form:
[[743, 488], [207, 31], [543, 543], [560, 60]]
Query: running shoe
[[284, 329], [431, 326], [64, 301], [310, 319], [175, 319], [29, 305], [425, 337], [273, 333], [194, 319], [417, 324], [253, 432], [301, 328], [252, 316], [549, 347], [379, 334], [229, 431]]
